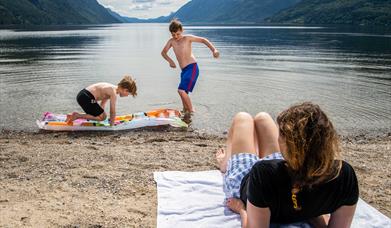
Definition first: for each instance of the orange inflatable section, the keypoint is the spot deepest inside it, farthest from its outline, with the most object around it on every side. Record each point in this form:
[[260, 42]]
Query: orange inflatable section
[[163, 113]]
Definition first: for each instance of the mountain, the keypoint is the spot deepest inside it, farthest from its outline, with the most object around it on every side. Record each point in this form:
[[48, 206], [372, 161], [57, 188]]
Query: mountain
[[354, 12], [116, 15], [50, 12], [125, 19], [228, 11]]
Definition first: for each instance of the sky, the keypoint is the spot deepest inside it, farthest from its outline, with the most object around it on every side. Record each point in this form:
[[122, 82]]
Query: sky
[[143, 8]]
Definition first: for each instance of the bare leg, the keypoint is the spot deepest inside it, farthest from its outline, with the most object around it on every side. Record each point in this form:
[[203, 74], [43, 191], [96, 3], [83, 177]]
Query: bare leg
[[76, 116], [186, 101], [267, 134], [243, 134], [183, 102], [240, 139]]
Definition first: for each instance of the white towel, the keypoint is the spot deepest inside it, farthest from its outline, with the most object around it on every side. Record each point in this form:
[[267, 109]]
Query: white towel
[[196, 199]]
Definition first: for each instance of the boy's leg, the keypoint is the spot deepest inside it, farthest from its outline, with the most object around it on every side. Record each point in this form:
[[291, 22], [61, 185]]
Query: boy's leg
[[183, 102], [189, 78], [186, 101], [241, 139], [76, 116], [267, 134]]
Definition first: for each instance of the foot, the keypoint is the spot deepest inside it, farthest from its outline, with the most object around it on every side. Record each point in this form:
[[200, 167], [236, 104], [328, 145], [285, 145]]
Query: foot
[[186, 117], [71, 117], [221, 160], [68, 119]]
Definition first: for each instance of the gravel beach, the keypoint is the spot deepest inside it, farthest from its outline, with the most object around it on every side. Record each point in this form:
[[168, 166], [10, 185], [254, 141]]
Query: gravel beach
[[105, 179]]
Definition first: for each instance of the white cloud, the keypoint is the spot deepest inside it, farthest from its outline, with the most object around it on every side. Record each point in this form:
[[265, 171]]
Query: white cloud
[[143, 8]]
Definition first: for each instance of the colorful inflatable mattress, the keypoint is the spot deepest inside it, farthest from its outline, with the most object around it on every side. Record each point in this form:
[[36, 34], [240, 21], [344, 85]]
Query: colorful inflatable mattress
[[159, 117]]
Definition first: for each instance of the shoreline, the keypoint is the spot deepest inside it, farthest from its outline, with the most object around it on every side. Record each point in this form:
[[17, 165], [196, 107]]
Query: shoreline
[[104, 179]]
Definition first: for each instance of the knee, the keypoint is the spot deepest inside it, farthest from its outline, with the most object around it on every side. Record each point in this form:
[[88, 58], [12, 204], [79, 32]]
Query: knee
[[181, 92], [262, 117], [242, 117]]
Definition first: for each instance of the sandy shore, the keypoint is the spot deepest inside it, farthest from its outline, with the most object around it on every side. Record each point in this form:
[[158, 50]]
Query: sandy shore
[[105, 179]]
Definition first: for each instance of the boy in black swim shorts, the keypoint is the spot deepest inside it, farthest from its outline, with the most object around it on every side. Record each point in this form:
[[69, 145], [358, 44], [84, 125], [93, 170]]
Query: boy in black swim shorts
[[88, 99], [88, 103]]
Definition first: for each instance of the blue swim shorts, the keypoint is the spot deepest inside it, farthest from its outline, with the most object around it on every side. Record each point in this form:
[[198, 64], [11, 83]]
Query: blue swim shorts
[[239, 165], [189, 77]]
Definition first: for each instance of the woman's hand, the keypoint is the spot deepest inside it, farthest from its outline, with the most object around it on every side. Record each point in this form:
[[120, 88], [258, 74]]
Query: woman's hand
[[236, 205]]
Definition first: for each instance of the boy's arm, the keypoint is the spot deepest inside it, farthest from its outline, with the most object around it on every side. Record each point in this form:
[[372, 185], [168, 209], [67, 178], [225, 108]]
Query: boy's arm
[[165, 56], [113, 100], [103, 103], [205, 41]]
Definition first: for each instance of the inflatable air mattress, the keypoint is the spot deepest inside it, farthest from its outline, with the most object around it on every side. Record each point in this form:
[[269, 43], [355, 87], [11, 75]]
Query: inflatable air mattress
[[159, 117]]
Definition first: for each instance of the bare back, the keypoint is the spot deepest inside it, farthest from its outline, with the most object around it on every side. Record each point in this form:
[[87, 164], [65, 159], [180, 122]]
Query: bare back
[[183, 51], [102, 90]]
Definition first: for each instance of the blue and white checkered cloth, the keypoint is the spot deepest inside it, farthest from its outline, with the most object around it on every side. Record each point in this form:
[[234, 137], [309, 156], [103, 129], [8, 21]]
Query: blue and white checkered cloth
[[239, 165]]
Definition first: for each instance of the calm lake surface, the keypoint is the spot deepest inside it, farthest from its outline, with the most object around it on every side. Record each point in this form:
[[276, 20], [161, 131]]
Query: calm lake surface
[[262, 68]]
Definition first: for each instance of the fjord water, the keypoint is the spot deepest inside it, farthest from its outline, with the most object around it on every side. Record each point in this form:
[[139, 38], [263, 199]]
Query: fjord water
[[262, 68]]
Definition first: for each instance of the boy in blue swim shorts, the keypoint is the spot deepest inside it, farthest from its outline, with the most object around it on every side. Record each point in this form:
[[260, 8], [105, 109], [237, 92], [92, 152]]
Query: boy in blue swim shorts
[[181, 45]]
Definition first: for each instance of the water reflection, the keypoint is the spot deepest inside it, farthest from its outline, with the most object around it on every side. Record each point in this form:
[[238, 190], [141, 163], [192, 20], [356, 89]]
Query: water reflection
[[346, 70]]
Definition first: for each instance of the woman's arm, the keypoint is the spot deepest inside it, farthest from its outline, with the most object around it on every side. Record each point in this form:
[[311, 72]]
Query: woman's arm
[[252, 217], [237, 206], [320, 221], [258, 217], [342, 217]]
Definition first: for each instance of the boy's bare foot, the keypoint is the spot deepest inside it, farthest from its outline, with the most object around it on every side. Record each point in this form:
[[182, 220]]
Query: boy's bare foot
[[68, 119], [186, 117], [221, 160], [72, 117]]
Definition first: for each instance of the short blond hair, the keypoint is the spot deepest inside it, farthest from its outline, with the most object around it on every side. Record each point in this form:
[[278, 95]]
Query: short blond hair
[[129, 84]]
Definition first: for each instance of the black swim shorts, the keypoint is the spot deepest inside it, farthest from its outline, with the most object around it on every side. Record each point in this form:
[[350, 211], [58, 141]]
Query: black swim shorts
[[88, 103]]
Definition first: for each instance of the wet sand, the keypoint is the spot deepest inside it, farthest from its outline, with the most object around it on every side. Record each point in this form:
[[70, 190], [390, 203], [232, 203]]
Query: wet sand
[[105, 179]]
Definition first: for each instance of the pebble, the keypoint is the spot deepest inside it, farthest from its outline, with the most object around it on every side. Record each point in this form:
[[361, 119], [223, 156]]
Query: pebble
[[23, 218]]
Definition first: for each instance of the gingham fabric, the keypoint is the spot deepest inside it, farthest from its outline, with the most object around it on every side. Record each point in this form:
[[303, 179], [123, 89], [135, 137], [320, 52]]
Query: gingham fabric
[[239, 165]]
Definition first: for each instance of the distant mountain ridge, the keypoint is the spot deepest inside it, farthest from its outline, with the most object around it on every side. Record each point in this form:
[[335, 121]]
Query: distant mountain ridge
[[54, 12], [228, 11], [67, 12], [125, 19], [353, 12]]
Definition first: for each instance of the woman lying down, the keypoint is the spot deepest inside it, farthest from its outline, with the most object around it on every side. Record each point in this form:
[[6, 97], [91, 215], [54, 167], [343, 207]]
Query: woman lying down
[[287, 172]]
